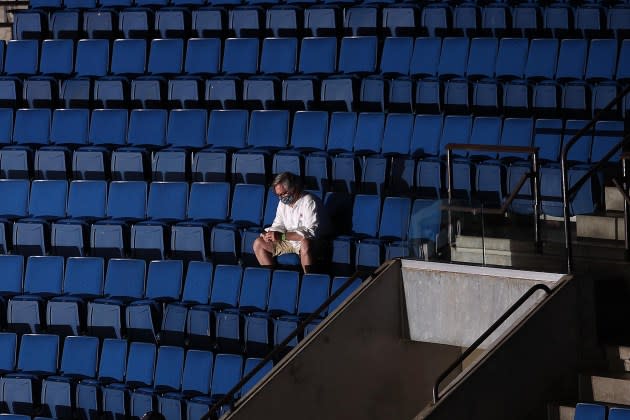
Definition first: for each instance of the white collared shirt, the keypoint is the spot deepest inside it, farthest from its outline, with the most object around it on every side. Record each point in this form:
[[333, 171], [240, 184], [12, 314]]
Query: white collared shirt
[[306, 216]]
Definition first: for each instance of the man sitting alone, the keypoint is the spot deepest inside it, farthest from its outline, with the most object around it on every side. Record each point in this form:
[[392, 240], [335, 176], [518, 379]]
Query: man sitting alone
[[300, 220]]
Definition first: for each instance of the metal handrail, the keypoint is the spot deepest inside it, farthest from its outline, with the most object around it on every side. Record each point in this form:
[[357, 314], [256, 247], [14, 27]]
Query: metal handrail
[[486, 334], [534, 174], [623, 189], [229, 396], [565, 171]]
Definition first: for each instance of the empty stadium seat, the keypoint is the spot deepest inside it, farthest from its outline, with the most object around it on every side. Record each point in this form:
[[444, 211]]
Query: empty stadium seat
[[337, 282], [10, 210], [31, 130], [11, 285], [8, 352], [584, 411]]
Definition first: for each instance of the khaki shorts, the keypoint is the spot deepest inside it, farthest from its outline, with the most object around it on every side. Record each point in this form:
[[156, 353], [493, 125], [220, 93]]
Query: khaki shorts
[[286, 247]]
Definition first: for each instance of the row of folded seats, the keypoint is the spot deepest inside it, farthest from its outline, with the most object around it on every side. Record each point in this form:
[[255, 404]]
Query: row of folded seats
[[482, 75], [80, 377], [369, 153], [592, 411], [192, 18], [202, 226], [223, 307]]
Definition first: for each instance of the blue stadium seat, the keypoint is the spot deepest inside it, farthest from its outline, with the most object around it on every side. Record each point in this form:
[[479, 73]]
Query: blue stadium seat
[[78, 361], [246, 21], [370, 252], [30, 24], [11, 285], [57, 60], [322, 21], [126, 204], [128, 60], [453, 57], [37, 357], [361, 21], [108, 128], [196, 379], [22, 59], [571, 59], [228, 370], [111, 368], [584, 411], [436, 19], [541, 59], [395, 61], [400, 19], [147, 132], [601, 95], [226, 286], [47, 203], [250, 364], [164, 284], [558, 18], [30, 130], [83, 280], [607, 134], [139, 373], [227, 131], [617, 20], [11, 210], [6, 134], [167, 205], [197, 287], [268, 131], [168, 376], [282, 301], [602, 57], [100, 23], [511, 58], [337, 282], [618, 413], [589, 20], [254, 295], [135, 22], [124, 282], [65, 23], [496, 19], [8, 352], [43, 280], [209, 22], [466, 19], [282, 21], [482, 57]]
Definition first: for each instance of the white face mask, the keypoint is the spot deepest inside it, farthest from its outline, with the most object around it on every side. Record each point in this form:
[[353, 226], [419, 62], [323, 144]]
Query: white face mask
[[286, 199]]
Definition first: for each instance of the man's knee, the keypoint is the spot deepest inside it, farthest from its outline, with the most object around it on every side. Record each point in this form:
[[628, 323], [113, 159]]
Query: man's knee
[[259, 245]]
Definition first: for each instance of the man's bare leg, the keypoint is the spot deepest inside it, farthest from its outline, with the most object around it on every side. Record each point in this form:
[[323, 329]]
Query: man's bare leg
[[264, 252], [306, 257]]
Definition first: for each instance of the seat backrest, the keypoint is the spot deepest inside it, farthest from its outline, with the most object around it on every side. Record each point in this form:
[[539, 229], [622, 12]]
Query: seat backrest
[[8, 351], [425, 57], [12, 269], [284, 292], [228, 128], [427, 131], [365, 215], [164, 279], [87, 199], [198, 282], [48, 198], [337, 282], [557, 16], [581, 150], [167, 200], [435, 16], [602, 56], [314, 290], [228, 369], [358, 54], [618, 413], [457, 130], [511, 58], [250, 364], [113, 360], [495, 16], [147, 127], [453, 57], [320, 21], [271, 207], [466, 16], [318, 55], [129, 56], [368, 137], [166, 56], [125, 278], [84, 276], [248, 204], [268, 129], [548, 139], [209, 201], [584, 411], [588, 18], [516, 132], [397, 134], [32, 126], [240, 56], [226, 286], [197, 372], [361, 19], [571, 59], [279, 56], [607, 135], [396, 55], [341, 132], [18, 190], [38, 353], [395, 218], [92, 58], [22, 57], [482, 57], [425, 220], [485, 131], [169, 369], [57, 57], [203, 56], [6, 126], [70, 126], [187, 128], [80, 357], [108, 126], [526, 16], [255, 289], [127, 199], [310, 130], [44, 274], [140, 364], [541, 59]]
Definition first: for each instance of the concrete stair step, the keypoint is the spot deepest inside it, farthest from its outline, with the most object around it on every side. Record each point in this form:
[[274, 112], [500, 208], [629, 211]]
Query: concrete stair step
[[613, 199], [610, 227], [618, 358], [612, 388]]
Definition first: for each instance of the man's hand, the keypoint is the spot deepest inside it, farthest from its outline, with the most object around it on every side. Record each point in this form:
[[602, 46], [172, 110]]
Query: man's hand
[[271, 236]]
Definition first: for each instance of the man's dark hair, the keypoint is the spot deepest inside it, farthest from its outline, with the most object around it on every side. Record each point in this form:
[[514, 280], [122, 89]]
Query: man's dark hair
[[290, 181]]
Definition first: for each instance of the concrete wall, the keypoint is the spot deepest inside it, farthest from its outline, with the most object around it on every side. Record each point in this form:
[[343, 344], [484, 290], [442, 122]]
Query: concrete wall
[[455, 304], [534, 364], [355, 365]]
